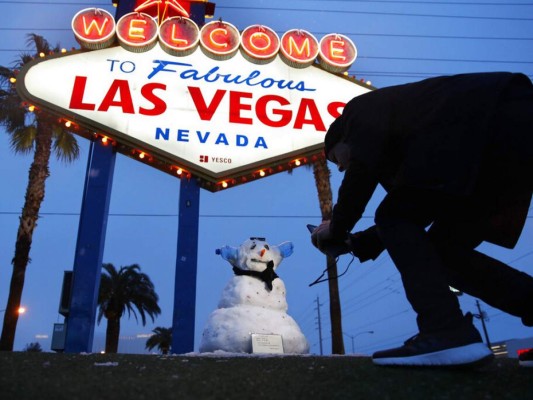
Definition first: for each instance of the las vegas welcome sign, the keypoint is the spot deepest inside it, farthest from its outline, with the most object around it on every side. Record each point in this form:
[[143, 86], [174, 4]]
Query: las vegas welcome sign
[[221, 105]]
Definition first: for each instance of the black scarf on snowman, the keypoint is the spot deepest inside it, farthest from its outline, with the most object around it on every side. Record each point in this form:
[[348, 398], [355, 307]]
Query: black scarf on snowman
[[267, 276]]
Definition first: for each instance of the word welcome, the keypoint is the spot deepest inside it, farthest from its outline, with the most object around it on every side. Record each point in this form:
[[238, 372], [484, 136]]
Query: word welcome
[[95, 29]]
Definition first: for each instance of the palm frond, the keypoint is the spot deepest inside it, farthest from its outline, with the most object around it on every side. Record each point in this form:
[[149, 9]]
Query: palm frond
[[161, 338], [12, 114], [5, 74], [127, 291], [23, 139], [25, 58], [40, 43], [66, 146]]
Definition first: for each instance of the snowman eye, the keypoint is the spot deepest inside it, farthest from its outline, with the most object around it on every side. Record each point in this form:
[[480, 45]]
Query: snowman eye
[[266, 247], [253, 246]]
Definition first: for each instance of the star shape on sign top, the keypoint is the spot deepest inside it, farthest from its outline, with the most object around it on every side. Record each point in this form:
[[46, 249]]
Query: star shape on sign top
[[162, 9]]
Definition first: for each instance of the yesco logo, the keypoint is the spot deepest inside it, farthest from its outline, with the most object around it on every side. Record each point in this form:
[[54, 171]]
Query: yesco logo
[[218, 160]]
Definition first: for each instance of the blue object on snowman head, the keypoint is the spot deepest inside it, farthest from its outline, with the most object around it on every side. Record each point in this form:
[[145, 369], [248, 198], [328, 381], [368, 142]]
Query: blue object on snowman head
[[254, 253]]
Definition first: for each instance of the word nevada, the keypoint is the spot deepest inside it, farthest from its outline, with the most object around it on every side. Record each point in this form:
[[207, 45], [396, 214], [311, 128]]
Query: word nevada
[[138, 32]]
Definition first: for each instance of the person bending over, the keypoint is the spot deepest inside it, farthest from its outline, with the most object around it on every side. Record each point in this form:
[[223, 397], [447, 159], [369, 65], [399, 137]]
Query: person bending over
[[455, 157]]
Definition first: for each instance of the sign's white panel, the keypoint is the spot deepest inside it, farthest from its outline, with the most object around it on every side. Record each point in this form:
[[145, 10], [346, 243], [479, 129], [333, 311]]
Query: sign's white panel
[[218, 117]]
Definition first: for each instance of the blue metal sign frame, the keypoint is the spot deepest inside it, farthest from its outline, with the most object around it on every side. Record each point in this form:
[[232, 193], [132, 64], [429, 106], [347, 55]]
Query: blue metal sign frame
[[91, 240]]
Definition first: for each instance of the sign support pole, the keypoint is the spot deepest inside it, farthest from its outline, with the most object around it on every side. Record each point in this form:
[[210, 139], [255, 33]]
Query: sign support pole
[[90, 249], [184, 313], [91, 239], [186, 268]]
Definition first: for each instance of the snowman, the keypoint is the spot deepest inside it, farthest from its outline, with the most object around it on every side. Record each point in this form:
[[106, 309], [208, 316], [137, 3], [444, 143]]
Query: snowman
[[253, 302]]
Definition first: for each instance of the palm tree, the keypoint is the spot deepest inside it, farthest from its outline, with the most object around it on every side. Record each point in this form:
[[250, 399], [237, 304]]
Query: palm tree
[[124, 290], [162, 339], [322, 174], [40, 133]]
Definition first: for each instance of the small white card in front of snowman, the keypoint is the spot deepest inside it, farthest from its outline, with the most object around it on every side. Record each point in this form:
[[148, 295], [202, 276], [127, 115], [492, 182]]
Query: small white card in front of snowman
[[267, 344]]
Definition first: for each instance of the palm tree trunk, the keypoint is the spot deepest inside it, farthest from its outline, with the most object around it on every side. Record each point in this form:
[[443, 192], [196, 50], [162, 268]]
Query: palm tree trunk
[[337, 342], [112, 334], [325, 198], [38, 174]]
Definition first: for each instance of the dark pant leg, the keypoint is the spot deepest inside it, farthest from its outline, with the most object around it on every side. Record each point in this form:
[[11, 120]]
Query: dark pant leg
[[479, 275], [401, 220], [497, 211]]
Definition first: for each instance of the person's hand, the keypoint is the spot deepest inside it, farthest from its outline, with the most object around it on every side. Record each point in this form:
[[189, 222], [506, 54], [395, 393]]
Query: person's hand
[[320, 235], [324, 241], [366, 245]]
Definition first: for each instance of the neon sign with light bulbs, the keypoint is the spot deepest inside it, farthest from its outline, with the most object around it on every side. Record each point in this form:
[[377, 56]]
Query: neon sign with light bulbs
[[220, 40], [224, 106]]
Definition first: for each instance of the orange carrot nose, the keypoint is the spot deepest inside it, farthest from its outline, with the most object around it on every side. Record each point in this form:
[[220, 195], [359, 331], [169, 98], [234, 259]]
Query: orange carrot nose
[[262, 253]]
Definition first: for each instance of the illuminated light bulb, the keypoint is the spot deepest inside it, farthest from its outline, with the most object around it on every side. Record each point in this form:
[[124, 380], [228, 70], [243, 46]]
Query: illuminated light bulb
[[345, 73], [68, 124], [31, 108], [12, 79], [41, 54], [63, 50], [141, 155], [179, 171], [297, 163], [262, 173], [105, 140], [368, 83], [224, 184]]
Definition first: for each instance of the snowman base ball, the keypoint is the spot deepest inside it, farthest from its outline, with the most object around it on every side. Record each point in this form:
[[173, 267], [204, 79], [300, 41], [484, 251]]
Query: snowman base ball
[[253, 302], [231, 329]]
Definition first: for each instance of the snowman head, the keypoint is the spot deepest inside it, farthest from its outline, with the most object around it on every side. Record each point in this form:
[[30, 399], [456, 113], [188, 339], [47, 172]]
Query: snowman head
[[255, 254]]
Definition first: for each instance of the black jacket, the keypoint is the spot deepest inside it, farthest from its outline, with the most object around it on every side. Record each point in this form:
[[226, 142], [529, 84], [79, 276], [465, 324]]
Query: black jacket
[[443, 134]]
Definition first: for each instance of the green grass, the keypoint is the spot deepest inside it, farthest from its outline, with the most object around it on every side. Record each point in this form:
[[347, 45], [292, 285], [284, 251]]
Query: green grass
[[125, 376]]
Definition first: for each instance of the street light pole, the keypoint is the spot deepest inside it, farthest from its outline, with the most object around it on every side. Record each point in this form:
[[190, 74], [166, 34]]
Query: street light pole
[[482, 316], [352, 337]]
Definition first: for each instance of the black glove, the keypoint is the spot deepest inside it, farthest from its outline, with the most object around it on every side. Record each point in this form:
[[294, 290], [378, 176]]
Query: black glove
[[366, 245], [324, 241]]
